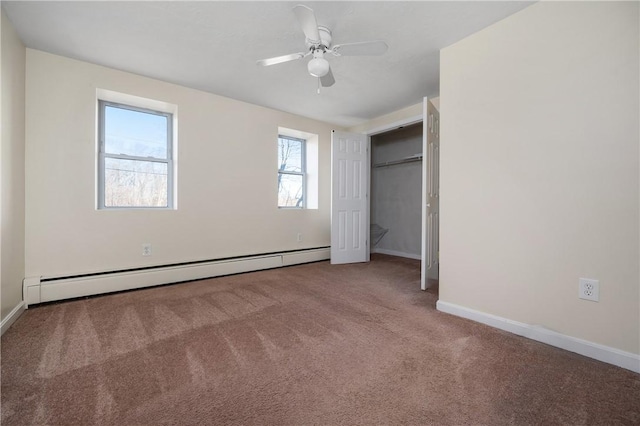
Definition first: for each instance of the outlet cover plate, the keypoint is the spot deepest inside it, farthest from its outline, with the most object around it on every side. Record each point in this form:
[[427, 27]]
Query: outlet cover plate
[[589, 289]]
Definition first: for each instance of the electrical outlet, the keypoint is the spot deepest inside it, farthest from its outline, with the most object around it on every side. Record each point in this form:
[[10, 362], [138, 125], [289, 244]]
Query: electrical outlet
[[299, 237], [589, 289], [146, 249]]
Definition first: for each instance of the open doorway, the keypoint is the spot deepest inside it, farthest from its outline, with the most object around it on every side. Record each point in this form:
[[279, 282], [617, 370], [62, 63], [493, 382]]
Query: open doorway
[[407, 151], [356, 230], [396, 192]]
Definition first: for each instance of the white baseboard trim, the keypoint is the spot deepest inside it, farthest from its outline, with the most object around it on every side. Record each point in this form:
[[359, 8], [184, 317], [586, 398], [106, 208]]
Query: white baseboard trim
[[396, 253], [43, 289], [602, 353], [12, 317]]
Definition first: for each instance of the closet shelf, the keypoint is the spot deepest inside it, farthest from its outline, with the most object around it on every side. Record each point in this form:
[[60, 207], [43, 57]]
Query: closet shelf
[[411, 159]]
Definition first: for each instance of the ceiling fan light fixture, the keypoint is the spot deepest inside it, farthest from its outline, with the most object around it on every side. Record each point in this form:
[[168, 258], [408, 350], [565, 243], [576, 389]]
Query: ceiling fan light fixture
[[318, 67], [318, 40]]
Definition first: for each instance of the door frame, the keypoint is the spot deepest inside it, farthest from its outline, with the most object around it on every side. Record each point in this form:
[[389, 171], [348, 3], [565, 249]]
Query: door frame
[[393, 126]]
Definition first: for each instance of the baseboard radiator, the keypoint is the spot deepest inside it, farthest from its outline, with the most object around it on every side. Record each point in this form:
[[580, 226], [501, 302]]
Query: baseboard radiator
[[42, 289]]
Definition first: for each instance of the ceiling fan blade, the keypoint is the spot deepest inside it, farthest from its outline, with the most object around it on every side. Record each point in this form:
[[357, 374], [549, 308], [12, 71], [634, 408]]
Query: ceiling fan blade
[[280, 59], [308, 22], [363, 48], [327, 80]]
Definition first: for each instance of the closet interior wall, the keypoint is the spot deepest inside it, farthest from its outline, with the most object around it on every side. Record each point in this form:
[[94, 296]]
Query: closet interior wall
[[396, 190]]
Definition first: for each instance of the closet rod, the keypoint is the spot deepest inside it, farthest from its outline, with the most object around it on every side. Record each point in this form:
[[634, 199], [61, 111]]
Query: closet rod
[[402, 161]]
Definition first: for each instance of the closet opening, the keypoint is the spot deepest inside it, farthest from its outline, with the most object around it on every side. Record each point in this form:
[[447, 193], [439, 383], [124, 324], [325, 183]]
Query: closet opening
[[396, 192]]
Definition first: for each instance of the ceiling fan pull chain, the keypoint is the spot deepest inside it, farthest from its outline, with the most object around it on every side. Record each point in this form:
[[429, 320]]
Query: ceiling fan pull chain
[[318, 85]]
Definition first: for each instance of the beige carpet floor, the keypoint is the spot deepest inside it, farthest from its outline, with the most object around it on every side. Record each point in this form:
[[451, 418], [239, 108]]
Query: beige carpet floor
[[311, 344]]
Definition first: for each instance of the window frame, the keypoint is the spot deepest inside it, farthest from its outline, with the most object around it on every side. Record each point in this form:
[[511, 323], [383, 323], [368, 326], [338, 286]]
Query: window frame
[[103, 155], [302, 173]]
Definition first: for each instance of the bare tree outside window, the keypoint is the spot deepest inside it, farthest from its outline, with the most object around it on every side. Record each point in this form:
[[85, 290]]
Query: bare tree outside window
[[135, 183], [291, 172], [135, 157]]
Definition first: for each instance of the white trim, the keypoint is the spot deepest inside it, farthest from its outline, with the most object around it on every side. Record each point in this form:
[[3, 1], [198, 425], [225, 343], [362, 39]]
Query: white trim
[[392, 126], [50, 289], [396, 253], [12, 317], [602, 353]]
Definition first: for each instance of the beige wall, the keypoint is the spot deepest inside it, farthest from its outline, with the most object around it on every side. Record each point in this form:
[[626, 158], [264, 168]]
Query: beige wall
[[227, 177], [12, 158], [540, 170], [388, 119], [410, 112]]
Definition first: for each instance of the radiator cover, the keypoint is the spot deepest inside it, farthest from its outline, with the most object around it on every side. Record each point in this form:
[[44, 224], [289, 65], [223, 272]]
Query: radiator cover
[[41, 289]]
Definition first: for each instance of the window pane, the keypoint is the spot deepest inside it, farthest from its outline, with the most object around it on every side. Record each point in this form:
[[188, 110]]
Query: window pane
[[131, 183], [290, 155], [289, 190], [135, 133]]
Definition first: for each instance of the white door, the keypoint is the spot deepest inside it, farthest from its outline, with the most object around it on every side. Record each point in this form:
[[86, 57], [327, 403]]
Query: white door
[[430, 194], [349, 200]]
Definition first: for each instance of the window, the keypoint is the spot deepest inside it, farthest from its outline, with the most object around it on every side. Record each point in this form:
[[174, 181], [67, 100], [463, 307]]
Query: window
[[291, 172], [135, 157]]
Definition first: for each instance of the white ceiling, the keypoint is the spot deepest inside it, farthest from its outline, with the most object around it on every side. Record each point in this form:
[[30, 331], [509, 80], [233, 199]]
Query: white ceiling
[[213, 46]]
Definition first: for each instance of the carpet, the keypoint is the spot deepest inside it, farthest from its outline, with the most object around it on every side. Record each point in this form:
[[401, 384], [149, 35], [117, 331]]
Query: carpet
[[314, 344]]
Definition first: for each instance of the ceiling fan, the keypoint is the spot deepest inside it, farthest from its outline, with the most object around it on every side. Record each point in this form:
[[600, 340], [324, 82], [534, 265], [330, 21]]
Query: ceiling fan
[[318, 41]]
